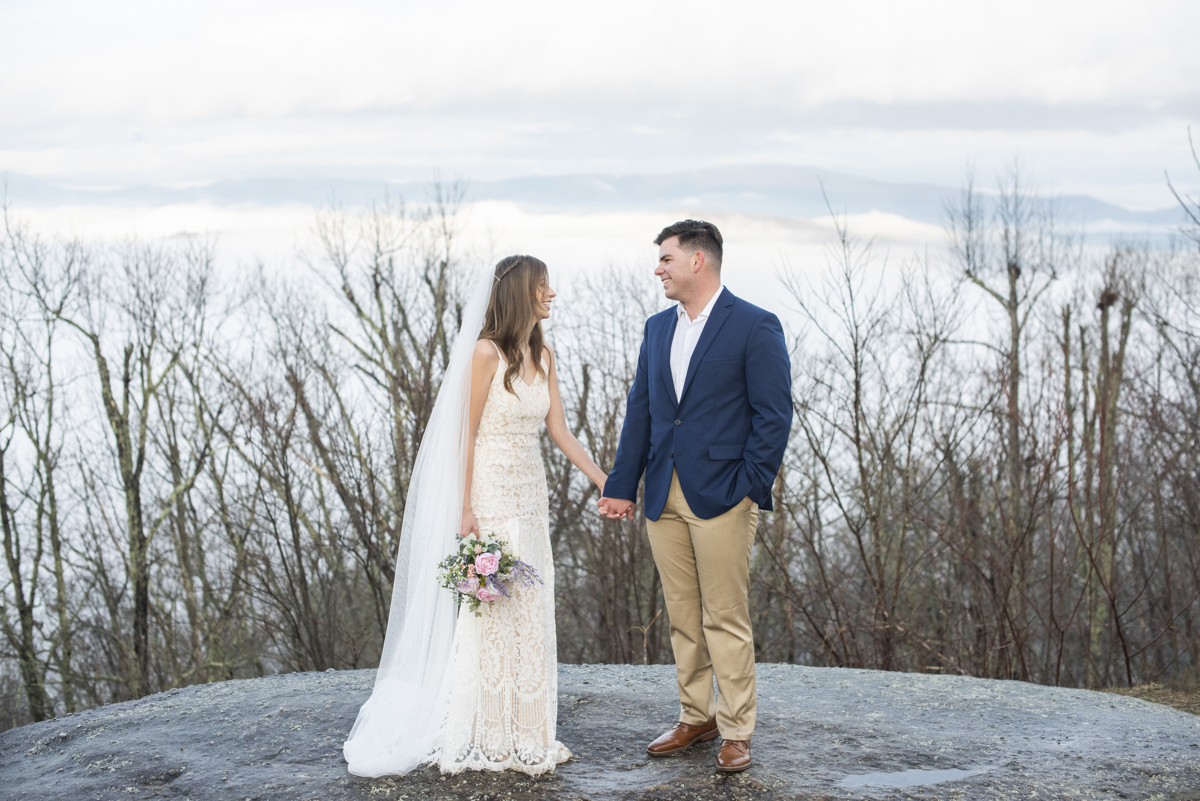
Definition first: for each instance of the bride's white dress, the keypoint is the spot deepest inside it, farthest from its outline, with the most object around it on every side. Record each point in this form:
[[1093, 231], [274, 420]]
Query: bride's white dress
[[503, 697]]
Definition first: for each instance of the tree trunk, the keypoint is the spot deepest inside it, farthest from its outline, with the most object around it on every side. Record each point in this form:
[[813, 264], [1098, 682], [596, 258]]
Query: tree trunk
[[131, 485], [22, 641]]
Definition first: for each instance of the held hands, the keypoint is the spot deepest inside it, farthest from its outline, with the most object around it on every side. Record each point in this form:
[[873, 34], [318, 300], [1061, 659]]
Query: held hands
[[470, 524], [616, 508]]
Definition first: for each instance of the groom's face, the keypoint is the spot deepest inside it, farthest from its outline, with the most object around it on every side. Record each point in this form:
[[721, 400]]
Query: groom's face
[[676, 269]]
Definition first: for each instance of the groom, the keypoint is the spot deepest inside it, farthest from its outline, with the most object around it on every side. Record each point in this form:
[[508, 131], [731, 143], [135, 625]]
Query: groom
[[707, 420]]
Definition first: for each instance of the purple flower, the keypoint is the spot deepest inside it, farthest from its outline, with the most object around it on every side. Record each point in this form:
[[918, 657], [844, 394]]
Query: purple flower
[[526, 574], [487, 563]]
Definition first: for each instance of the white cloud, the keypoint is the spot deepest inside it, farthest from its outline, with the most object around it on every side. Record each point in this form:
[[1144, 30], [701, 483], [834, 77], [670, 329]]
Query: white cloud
[[159, 63], [1096, 95], [573, 245]]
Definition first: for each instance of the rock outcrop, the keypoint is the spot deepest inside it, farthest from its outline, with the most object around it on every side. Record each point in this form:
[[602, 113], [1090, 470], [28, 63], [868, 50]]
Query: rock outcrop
[[822, 733]]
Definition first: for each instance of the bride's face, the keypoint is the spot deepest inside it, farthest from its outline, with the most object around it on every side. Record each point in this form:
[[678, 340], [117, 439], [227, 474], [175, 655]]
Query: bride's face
[[545, 294]]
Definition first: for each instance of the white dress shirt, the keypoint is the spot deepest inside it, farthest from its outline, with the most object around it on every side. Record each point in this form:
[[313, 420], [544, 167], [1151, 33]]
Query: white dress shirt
[[687, 334]]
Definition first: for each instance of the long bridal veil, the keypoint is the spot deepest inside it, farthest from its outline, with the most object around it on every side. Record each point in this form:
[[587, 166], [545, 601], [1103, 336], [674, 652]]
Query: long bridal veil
[[397, 727]]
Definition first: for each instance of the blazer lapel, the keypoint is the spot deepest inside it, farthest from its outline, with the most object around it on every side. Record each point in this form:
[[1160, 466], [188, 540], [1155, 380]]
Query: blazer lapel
[[716, 319], [664, 353]]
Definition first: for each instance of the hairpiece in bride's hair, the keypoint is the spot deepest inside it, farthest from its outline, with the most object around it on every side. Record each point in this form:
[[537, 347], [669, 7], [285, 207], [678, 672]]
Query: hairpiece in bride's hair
[[513, 261]]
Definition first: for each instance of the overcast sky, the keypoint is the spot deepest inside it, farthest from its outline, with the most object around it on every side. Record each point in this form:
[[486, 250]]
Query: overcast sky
[[1095, 97]]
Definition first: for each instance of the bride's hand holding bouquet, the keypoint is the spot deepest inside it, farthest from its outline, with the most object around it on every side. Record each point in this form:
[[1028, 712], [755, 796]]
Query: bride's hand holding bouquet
[[470, 523]]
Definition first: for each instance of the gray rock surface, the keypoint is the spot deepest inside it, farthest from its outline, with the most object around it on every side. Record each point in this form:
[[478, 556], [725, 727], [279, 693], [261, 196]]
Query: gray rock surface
[[823, 733]]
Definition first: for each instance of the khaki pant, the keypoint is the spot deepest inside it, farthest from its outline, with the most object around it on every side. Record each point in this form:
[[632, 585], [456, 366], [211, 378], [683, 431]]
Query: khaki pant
[[705, 570]]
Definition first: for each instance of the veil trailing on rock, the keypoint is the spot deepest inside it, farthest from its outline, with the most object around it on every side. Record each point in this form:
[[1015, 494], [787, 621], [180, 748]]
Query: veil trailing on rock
[[397, 727]]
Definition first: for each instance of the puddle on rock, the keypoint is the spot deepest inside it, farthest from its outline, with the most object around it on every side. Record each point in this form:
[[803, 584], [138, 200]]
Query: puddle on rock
[[910, 778]]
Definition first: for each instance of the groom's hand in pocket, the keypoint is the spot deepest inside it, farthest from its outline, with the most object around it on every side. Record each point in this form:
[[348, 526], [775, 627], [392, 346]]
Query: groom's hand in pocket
[[616, 508]]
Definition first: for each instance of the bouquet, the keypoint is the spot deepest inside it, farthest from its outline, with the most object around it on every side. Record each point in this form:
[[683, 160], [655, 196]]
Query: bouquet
[[481, 572]]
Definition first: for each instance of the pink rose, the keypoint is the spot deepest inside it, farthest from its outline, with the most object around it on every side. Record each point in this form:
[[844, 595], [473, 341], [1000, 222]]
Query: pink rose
[[487, 563], [487, 595], [469, 586]]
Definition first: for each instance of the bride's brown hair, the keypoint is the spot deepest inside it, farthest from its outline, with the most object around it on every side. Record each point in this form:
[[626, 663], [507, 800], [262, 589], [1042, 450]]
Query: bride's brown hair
[[513, 304]]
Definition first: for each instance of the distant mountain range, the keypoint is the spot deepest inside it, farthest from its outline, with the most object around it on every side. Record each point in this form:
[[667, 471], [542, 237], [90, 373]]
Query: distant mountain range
[[787, 191]]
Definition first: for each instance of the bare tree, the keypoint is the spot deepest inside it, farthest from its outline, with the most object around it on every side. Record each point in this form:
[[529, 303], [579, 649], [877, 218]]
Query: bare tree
[[154, 318], [608, 588], [40, 277], [1021, 244], [1190, 205], [211, 487], [861, 392]]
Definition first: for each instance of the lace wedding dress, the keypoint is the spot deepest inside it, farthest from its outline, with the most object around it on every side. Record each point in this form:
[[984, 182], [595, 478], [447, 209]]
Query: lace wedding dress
[[503, 682]]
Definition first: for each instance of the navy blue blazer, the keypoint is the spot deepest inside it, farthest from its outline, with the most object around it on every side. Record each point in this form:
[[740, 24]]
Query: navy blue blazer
[[726, 435]]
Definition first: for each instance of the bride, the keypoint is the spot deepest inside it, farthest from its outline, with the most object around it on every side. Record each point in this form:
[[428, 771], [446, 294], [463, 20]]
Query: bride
[[480, 694]]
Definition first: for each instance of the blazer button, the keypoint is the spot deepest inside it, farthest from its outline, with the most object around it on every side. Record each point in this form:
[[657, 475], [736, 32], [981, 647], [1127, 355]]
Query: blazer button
[[671, 455], [677, 422]]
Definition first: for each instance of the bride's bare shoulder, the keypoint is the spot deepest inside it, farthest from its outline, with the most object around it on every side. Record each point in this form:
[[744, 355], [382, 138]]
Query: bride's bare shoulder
[[486, 354]]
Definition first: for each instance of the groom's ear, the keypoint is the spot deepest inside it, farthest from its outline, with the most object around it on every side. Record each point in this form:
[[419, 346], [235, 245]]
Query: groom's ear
[[698, 261]]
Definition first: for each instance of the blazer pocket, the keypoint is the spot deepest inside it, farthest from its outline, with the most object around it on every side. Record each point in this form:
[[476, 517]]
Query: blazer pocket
[[720, 368], [720, 453]]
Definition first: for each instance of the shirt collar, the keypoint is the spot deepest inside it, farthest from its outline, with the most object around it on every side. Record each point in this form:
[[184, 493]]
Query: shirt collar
[[703, 315]]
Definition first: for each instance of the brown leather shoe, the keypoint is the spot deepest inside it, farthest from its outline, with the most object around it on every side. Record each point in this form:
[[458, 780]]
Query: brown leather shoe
[[681, 737], [733, 756]]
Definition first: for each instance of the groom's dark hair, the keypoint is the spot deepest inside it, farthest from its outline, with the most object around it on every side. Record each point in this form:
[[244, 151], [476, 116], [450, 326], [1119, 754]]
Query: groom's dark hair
[[696, 235]]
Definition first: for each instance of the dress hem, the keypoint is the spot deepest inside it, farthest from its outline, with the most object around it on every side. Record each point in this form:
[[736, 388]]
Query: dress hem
[[562, 754]]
